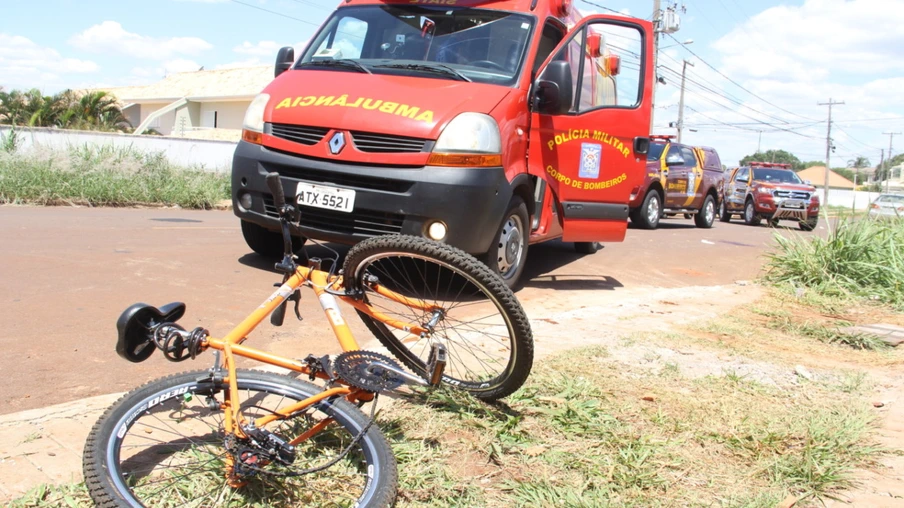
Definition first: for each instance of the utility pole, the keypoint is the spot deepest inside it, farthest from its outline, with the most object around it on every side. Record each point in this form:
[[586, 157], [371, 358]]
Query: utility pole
[[657, 27], [759, 141], [891, 136], [828, 146], [681, 100], [879, 167]]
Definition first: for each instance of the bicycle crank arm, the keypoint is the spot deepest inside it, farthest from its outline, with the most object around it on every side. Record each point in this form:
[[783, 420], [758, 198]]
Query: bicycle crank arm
[[406, 377]]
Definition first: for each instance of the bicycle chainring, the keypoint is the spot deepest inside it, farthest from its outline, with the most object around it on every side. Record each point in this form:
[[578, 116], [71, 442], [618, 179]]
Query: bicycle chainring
[[352, 367]]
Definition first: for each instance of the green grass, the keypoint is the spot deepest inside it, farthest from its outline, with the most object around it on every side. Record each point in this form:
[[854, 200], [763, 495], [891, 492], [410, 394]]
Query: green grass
[[588, 431], [833, 334], [859, 258], [105, 176]]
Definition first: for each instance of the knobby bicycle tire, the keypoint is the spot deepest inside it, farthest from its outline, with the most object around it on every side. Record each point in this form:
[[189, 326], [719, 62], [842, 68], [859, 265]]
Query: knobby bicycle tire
[[484, 328], [136, 454]]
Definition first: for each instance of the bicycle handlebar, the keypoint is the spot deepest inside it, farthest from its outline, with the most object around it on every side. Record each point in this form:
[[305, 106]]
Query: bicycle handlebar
[[285, 212], [276, 188]]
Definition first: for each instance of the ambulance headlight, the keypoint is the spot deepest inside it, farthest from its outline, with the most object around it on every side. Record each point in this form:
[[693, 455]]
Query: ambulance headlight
[[470, 133], [254, 115]]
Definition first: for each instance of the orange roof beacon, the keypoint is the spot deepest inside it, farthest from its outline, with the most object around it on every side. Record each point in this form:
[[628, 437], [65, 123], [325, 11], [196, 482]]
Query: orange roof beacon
[[488, 125]]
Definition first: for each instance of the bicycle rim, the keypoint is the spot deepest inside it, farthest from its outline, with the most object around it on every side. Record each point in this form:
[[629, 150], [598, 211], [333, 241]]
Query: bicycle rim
[[166, 447], [482, 326]]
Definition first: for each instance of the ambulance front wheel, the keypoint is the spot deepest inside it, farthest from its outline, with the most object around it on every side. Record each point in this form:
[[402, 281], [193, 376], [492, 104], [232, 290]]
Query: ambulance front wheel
[[509, 248], [266, 243], [587, 247]]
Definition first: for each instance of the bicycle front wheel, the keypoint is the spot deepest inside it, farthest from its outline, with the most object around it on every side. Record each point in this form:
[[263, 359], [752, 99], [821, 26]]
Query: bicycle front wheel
[[480, 322], [164, 445]]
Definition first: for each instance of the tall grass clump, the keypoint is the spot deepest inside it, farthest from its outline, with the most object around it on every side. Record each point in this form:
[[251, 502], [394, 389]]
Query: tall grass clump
[[105, 175], [859, 258]]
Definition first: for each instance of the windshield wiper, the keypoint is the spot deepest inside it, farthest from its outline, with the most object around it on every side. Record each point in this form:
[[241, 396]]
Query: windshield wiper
[[342, 62], [434, 68]]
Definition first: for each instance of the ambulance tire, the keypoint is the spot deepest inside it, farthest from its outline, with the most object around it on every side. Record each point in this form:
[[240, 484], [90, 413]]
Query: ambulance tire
[[509, 249], [587, 247], [650, 211], [266, 243]]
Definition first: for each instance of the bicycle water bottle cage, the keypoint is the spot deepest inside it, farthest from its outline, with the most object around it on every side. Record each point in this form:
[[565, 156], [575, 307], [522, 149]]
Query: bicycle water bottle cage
[[136, 328]]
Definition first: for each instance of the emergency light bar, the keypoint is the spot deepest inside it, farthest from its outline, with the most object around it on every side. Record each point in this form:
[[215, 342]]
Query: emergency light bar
[[769, 165], [663, 137]]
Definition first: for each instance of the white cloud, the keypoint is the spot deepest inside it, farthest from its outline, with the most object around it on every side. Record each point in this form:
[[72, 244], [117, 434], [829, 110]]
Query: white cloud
[[110, 36], [794, 57], [262, 48], [23, 63], [818, 38]]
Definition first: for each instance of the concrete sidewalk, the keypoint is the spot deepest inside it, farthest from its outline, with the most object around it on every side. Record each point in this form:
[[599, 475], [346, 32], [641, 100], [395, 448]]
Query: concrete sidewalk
[[45, 445]]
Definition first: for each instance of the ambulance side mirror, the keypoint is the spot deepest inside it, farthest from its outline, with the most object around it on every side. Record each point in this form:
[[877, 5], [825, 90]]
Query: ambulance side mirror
[[284, 60], [554, 89]]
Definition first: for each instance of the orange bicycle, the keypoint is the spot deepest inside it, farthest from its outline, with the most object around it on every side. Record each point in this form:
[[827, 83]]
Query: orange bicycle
[[234, 437]]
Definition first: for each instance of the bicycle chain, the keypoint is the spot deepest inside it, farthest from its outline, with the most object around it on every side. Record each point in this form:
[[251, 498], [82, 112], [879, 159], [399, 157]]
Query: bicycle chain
[[244, 469]]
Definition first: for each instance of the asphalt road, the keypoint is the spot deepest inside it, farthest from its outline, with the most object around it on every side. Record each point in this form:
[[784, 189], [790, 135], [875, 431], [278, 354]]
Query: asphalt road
[[67, 274]]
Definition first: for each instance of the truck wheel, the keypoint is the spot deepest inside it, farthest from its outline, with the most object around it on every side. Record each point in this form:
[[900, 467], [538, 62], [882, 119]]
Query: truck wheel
[[587, 247], [750, 216], [809, 224], [265, 242], [509, 250], [724, 216], [707, 214], [650, 210]]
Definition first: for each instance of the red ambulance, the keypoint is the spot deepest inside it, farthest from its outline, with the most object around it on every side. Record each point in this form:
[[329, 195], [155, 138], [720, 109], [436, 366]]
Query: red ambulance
[[489, 125]]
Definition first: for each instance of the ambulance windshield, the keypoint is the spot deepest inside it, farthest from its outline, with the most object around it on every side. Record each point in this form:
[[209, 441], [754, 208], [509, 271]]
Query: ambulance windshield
[[456, 43]]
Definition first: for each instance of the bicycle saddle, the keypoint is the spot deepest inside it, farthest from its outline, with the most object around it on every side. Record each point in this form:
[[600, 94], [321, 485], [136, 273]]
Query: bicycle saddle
[[136, 328]]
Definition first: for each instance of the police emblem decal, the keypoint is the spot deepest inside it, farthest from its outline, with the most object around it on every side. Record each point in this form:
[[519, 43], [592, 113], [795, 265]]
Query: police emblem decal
[[590, 160]]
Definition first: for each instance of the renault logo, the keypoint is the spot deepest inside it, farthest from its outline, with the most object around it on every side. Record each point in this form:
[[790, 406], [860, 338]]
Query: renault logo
[[337, 143]]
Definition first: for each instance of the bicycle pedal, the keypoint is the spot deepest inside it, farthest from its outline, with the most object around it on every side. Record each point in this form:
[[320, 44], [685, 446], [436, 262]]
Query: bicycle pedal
[[436, 363]]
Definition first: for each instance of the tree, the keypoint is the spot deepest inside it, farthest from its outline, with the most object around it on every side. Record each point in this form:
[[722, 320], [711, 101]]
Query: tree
[[776, 156], [97, 110], [858, 163]]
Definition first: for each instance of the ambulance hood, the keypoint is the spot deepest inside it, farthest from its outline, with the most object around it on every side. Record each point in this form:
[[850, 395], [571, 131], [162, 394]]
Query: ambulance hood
[[399, 105]]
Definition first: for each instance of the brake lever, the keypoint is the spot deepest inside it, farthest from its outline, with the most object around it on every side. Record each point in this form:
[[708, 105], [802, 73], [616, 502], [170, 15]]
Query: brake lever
[[297, 297]]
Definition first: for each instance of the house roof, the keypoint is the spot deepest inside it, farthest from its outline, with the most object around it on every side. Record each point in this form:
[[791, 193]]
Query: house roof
[[817, 176], [234, 83]]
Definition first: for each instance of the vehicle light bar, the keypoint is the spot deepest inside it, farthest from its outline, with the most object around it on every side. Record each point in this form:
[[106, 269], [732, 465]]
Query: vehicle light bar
[[769, 165]]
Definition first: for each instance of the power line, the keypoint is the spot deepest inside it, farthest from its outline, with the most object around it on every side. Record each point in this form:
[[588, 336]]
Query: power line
[[717, 71], [727, 96], [275, 12], [598, 6]]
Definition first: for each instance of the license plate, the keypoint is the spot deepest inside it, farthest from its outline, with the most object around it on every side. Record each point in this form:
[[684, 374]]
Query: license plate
[[330, 198], [793, 204]]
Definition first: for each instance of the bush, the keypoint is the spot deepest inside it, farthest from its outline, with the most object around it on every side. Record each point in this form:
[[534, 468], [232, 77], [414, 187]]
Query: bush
[[106, 176], [861, 258]]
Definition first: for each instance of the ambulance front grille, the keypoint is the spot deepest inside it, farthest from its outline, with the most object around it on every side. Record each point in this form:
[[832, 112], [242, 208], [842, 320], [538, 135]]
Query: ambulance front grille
[[360, 222], [298, 133], [384, 143]]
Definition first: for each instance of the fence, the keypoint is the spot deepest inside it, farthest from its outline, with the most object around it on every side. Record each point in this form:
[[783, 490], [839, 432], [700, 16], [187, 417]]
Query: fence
[[212, 155], [851, 199]]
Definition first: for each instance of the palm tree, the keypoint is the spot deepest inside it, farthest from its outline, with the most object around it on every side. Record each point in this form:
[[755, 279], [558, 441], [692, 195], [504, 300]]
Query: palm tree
[[100, 110], [858, 163]]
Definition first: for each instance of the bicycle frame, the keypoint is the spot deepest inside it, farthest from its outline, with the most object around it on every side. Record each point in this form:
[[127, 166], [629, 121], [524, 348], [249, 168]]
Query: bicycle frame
[[326, 288]]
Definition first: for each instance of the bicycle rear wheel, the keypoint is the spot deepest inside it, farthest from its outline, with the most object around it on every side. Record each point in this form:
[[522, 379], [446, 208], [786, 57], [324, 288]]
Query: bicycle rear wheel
[[162, 445], [482, 325]]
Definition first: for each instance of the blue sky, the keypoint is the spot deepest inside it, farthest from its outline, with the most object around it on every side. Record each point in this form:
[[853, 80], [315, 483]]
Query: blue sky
[[771, 61]]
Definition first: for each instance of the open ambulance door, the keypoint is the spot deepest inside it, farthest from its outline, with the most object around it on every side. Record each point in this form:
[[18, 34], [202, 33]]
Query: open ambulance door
[[590, 121]]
